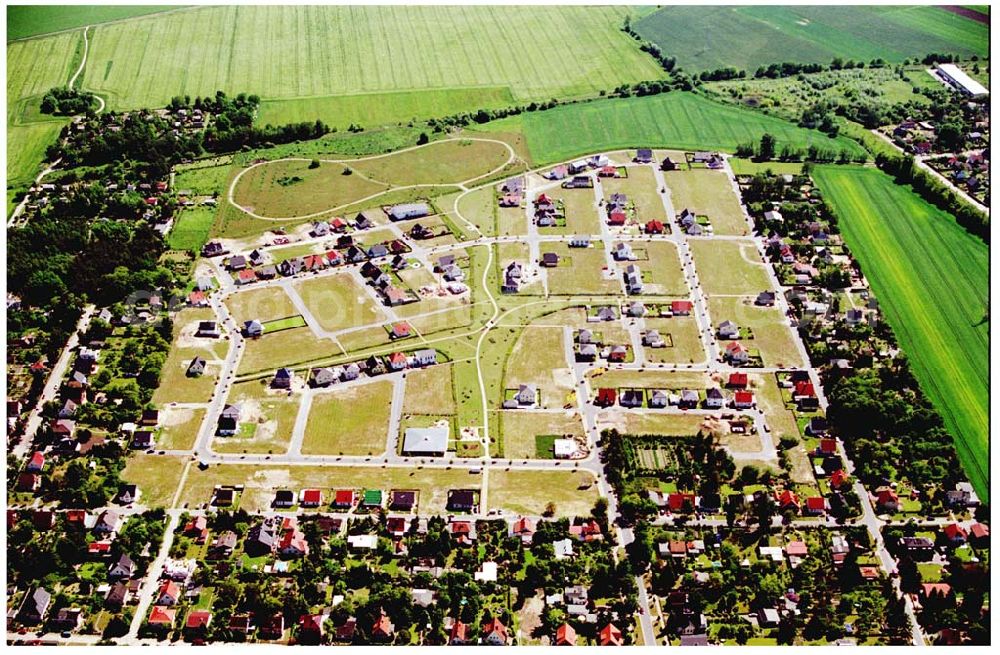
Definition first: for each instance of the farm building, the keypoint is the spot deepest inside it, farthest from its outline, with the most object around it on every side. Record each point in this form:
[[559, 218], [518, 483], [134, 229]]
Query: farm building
[[408, 211], [959, 79], [426, 441]]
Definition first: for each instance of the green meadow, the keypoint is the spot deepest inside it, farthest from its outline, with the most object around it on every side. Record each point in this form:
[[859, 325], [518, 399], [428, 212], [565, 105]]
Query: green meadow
[[25, 21], [746, 37], [932, 280], [676, 120]]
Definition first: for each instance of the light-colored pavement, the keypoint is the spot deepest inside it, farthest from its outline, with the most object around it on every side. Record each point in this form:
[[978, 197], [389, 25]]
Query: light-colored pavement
[[53, 383]]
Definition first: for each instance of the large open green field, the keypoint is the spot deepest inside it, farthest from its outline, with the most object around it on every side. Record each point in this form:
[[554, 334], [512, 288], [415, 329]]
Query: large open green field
[[709, 37], [374, 109], [932, 279], [31, 20], [673, 120], [309, 51], [34, 67]]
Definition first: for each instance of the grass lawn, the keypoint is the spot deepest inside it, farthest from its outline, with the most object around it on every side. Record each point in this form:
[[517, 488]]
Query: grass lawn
[[290, 188], [521, 427], [279, 255], [477, 207], [729, 267], [264, 304], [351, 421], [670, 120], [180, 428], [683, 346], [280, 324], [747, 167], [772, 335], [580, 272], [528, 492], [202, 178], [176, 386], [641, 188], [650, 379], [938, 309], [539, 358], [338, 301], [262, 481], [191, 228], [156, 475], [429, 391], [662, 272], [441, 162], [708, 192], [285, 348]]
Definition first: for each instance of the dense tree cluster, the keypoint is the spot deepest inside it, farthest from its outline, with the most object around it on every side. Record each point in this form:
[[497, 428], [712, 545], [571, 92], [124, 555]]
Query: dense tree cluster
[[65, 101]]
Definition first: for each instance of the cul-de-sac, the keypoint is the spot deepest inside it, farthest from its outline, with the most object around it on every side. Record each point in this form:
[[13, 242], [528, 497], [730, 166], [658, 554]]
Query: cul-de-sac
[[676, 348]]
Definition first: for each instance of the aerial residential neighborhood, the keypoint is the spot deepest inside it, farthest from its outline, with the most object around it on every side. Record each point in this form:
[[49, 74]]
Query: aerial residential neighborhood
[[685, 348]]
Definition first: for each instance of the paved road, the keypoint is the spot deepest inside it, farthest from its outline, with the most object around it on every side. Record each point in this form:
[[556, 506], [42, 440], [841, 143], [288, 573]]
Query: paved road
[[53, 383]]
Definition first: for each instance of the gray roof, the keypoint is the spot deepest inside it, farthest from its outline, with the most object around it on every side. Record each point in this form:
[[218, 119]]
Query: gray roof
[[426, 440]]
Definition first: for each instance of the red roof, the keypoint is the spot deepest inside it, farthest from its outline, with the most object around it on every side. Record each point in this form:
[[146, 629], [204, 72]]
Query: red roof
[[979, 531], [654, 227], [99, 547], [524, 525], [743, 398], [196, 297], [338, 222], [675, 501], [246, 275], [787, 498], [838, 478], [458, 631], [565, 635], [495, 625], [737, 379], [37, 460], [162, 616], [828, 446], [886, 497], [76, 515], [805, 389], [616, 218], [343, 497], [314, 496], [295, 540], [397, 358], [608, 170], [816, 503], [383, 626], [333, 256], [169, 588], [542, 199], [681, 306], [734, 347], [151, 201], [199, 619], [942, 588], [610, 635], [797, 548], [955, 532], [312, 622], [606, 396], [401, 329]]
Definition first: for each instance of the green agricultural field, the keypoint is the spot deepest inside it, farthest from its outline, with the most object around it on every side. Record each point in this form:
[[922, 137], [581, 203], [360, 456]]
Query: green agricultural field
[[377, 109], [25, 21], [204, 178], [709, 37], [34, 67], [191, 228], [309, 51], [932, 280], [710, 193], [669, 120]]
